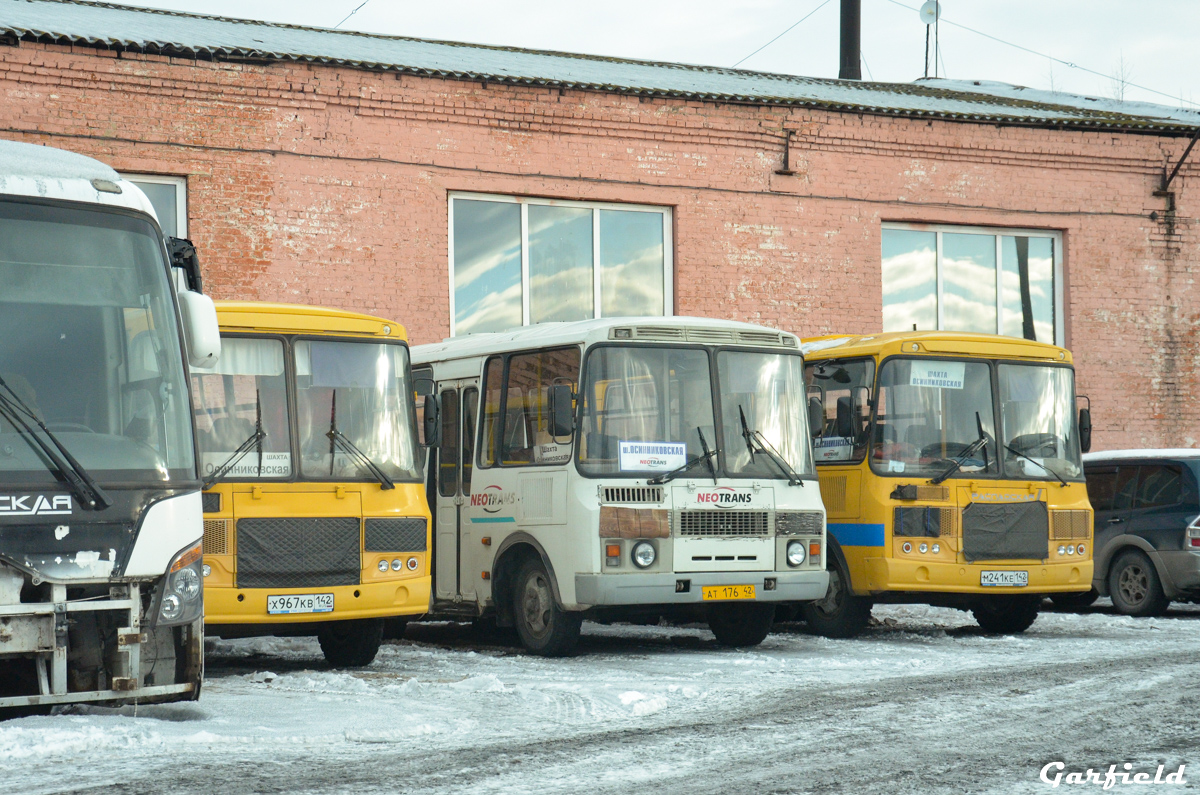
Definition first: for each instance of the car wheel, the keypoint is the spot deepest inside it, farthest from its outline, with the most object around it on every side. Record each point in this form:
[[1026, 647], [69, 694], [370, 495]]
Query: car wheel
[[351, 644], [741, 625], [1134, 586], [840, 614], [543, 627], [1006, 615]]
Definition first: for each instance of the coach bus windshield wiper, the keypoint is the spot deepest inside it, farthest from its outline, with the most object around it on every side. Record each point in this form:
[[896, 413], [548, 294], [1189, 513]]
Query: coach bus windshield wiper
[[1015, 451], [78, 480], [755, 437], [336, 437], [253, 442], [705, 457]]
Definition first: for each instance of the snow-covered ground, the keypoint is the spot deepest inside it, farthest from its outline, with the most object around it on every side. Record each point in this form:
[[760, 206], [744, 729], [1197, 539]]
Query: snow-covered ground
[[922, 702]]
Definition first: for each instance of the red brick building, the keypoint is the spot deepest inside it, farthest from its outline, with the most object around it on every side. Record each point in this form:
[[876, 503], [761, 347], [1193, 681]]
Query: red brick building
[[457, 187]]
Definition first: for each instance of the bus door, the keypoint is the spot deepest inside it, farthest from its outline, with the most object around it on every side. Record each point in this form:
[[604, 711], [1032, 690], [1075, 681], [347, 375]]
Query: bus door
[[459, 404]]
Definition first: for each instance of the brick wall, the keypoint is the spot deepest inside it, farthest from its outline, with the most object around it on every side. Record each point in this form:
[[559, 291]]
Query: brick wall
[[326, 185]]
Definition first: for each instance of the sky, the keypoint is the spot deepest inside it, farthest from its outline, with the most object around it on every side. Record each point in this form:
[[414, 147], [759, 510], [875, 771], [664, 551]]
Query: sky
[[1154, 44]]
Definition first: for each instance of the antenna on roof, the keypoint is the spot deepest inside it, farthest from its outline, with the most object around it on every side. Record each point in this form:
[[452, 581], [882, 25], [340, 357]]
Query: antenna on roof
[[930, 12]]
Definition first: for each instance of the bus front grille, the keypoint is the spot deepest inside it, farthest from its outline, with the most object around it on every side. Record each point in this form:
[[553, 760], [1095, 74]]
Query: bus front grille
[[1070, 525], [216, 536], [301, 552], [631, 494], [797, 523], [707, 524]]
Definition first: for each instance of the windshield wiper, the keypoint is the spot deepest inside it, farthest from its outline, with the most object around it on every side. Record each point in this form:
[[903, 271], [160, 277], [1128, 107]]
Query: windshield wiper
[[971, 449], [1014, 451], [253, 442], [753, 437], [705, 457], [78, 480], [336, 437]]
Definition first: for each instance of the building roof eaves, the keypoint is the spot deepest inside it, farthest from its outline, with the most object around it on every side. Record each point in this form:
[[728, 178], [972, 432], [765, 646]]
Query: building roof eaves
[[218, 38]]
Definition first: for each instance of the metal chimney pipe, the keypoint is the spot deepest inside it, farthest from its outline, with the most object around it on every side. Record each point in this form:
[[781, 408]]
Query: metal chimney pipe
[[851, 34]]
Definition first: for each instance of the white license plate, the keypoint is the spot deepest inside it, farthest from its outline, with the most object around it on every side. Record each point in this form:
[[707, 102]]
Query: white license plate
[[300, 603], [1007, 579]]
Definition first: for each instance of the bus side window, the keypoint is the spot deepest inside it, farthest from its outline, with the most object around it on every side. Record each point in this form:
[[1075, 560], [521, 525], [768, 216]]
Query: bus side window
[[527, 436], [470, 411], [493, 379]]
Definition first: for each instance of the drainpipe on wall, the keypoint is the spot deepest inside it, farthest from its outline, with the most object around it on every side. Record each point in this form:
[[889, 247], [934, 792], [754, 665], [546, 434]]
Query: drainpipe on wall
[[851, 68]]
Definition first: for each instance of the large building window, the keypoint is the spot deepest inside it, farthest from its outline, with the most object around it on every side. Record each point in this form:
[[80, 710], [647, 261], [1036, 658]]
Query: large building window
[[970, 279], [515, 261], [168, 195]]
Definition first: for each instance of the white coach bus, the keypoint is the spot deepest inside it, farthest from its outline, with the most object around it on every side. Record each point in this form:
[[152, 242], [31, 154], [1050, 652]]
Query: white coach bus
[[100, 512], [621, 467]]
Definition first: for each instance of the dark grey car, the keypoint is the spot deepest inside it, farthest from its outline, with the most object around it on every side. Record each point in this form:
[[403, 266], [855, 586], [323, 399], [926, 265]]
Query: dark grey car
[[1147, 527]]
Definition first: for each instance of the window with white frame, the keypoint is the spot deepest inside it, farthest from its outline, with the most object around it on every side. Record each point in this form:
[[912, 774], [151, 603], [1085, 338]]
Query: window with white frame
[[957, 278], [516, 261], [168, 196]]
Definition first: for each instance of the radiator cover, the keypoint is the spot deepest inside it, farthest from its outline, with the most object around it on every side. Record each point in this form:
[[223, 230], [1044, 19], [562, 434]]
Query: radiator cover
[[298, 552], [1006, 531]]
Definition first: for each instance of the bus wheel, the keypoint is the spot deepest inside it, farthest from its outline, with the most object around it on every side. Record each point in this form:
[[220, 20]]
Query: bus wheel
[[351, 644], [840, 614], [543, 627], [1075, 601], [1006, 615], [741, 625], [1134, 586]]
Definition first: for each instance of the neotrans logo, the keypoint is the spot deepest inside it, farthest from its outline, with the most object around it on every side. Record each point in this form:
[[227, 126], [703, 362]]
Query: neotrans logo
[[724, 497], [492, 499], [35, 505]]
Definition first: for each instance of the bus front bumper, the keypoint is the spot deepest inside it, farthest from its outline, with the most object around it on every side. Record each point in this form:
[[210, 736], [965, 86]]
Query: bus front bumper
[[593, 590], [376, 600], [884, 574]]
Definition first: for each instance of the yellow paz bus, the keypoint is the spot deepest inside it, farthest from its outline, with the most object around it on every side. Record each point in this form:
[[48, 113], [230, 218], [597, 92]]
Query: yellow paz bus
[[950, 468], [315, 516]]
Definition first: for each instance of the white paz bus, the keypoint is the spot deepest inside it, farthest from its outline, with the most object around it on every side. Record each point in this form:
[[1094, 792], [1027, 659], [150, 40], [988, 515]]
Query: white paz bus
[[100, 511], [621, 467]]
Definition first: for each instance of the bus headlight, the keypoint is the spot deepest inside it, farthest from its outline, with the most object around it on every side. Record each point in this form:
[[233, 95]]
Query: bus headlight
[[1062, 550], [795, 553], [397, 564], [643, 554], [383, 564], [180, 595]]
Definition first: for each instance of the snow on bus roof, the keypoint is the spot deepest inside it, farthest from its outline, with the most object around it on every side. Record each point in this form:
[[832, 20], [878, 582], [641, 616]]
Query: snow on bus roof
[[19, 159], [1167, 452]]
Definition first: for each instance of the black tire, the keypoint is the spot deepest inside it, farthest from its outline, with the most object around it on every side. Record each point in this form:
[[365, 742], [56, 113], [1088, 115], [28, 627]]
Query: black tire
[[544, 628], [1006, 615], [840, 614], [741, 624], [393, 628], [1134, 586], [351, 644], [1075, 601]]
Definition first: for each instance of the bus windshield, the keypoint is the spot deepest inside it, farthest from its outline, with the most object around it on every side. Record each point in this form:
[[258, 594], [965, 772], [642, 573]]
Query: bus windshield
[[359, 391], [930, 411], [244, 391], [648, 410], [766, 390], [1037, 415], [91, 345]]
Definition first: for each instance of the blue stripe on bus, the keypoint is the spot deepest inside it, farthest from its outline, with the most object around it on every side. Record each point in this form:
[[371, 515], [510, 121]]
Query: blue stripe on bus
[[857, 535], [494, 519]]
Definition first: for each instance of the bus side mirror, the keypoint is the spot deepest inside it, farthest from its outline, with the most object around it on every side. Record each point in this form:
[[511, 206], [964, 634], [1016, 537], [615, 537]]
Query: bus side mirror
[[430, 422], [860, 405], [562, 413], [1085, 429], [184, 256], [201, 335], [816, 416], [845, 418]]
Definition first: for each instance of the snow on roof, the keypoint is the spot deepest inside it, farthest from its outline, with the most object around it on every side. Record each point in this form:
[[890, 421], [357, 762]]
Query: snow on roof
[[210, 37], [29, 160], [1115, 455]]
